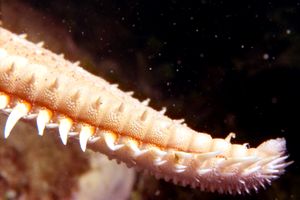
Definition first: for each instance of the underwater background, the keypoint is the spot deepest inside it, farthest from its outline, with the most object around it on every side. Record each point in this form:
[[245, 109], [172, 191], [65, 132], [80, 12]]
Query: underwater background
[[222, 66]]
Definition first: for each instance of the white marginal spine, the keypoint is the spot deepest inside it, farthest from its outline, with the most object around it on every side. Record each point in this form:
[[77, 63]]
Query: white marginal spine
[[166, 148]]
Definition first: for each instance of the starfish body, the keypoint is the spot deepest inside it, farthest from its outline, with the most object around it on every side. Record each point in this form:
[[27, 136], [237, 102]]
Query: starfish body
[[37, 84]]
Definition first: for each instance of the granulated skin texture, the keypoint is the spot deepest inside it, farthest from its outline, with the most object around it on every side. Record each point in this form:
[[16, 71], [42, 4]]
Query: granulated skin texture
[[34, 81]]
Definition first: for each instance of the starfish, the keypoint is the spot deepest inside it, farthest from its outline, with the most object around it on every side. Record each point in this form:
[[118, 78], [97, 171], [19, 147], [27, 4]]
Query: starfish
[[36, 83]]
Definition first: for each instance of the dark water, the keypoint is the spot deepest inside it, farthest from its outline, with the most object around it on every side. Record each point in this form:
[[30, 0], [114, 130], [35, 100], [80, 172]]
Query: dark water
[[224, 67]]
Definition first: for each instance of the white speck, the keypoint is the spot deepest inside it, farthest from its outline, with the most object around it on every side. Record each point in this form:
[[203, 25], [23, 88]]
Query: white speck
[[216, 36], [197, 30], [242, 46], [123, 18], [11, 194], [192, 18], [38, 51], [288, 31], [157, 193], [174, 23], [133, 25], [266, 56], [201, 55], [159, 54], [150, 68], [274, 100]]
